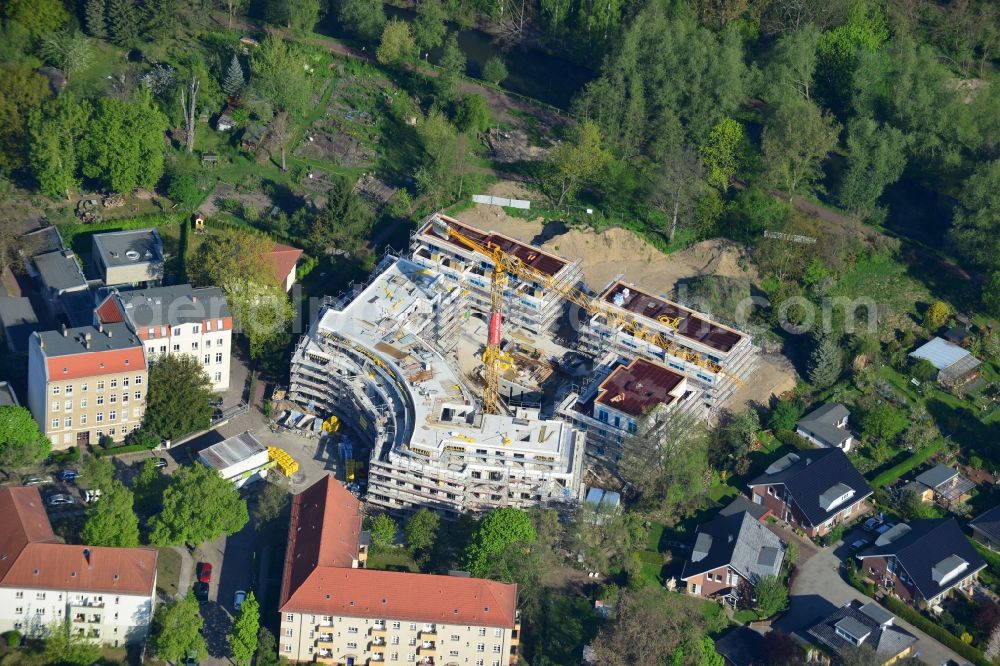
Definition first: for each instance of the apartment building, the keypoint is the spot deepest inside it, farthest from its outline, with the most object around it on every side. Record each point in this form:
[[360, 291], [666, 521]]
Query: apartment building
[[179, 319], [621, 396], [335, 611], [86, 382], [133, 257], [530, 305], [715, 358], [376, 359], [107, 594]]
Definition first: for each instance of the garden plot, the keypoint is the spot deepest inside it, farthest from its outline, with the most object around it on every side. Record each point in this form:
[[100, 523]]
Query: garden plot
[[348, 131]]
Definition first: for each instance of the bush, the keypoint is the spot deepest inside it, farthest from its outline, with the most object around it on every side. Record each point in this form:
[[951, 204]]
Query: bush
[[793, 439], [13, 638], [934, 630], [494, 70], [472, 114], [119, 450], [105, 442], [250, 213], [70, 455], [182, 188], [142, 437]]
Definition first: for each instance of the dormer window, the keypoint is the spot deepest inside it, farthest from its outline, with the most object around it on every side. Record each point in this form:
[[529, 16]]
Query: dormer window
[[835, 496]]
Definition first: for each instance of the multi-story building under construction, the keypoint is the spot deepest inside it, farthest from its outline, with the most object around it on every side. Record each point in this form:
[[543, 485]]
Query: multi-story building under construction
[[376, 359]]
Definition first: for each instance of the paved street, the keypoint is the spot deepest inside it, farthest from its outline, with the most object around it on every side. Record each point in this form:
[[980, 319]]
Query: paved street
[[819, 589]]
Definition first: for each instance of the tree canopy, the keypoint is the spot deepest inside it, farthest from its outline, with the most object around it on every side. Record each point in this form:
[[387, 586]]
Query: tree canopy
[[198, 506], [122, 145], [499, 530], [21, 441], [176, 630], [179, 396], [243, 637], [112, 521]]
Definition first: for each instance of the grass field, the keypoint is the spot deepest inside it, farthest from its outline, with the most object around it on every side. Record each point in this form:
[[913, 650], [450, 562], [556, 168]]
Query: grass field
[[168, 571], [396, 559]]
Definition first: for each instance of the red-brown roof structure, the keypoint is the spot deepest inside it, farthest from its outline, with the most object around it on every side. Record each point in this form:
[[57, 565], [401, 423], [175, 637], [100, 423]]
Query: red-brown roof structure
[[319, 578], [536, 258], [31, 557], [638, 387], [283, 259]]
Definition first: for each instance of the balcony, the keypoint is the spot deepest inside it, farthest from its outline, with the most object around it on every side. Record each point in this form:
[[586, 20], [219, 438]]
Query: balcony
[[427, 649], [377, 645], [376, 659], [378, 631], [427, 634], [324, 642]]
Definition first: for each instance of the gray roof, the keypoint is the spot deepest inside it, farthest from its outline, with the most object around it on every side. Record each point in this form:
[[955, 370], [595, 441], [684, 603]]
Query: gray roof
[[7, 396], [78, 307], [741, 646], [42, 240], [124, 248], [59, 271], [870, 621], [988, 523], [19, 322], [170, 306], [936, 475], [740, 541], [741, 504], [107, 338], [941, 353], [820, 423], [231, 451]]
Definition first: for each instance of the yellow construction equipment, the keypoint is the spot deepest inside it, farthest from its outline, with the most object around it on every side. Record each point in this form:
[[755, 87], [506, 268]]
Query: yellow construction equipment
[[504, 265], [332, 424], [284, 462]]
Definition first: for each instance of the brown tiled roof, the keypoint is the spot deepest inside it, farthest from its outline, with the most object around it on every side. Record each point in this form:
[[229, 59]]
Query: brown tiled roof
[[283, 259], [641, 385], [540, 260], [318, 578], [30, 556]]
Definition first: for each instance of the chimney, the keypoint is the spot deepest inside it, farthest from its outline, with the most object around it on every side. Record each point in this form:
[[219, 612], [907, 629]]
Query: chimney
[[86, 342], [108, 332], [87, 337], [64, 330], [100, 327], [41, 342], [86, 556]]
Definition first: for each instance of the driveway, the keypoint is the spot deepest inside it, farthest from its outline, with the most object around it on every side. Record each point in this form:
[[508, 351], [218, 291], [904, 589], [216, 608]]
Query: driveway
[[819, 590]]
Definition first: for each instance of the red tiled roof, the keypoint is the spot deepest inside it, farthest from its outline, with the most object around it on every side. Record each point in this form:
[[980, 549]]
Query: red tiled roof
[[283, 259], [318, 578], [96, 363], [542, 261], [635, 388], [30, 556], [108, 312]]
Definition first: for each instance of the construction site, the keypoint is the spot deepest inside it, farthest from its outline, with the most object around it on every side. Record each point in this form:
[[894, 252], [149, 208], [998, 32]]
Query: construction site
[[479, 371]]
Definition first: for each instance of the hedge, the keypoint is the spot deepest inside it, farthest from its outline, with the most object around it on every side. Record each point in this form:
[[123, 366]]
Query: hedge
[[129, 448], [911, 463], [936, 631]]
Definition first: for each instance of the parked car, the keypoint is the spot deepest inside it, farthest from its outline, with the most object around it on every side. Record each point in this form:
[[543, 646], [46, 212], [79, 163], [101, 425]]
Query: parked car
[[238, 600], [61, 500], [201, 591], [204, 572], [860, 543], [91, 495], [161, 463], [36, 480], [68, 475], [884, 527], [872, 524]]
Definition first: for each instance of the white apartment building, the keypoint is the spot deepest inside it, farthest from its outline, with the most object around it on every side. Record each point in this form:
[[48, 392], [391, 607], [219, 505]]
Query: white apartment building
[[86, 382], [376, 359], [106, 594], [335, 611], [177, 320]]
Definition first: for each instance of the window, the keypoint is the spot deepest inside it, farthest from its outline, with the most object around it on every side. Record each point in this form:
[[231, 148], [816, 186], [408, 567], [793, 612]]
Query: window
[[112, 415], [56, 390], [137, 412], [177, 330], [150, 332], [218, 377], [55, 424], [196, 329], [137, 395], [194, 346], [83, 403], [125, 396], [218, 357], [498, 633], [114, 383], [452, 653], [396, 625], [208, 343], [412, 642], [394, 656], [288, 648], [163, 349], [411, 657], [482, 631], [496, 649], [69, 389], [40, 596], [352, 645], [496, 662], [100, 385], [114, 397], [208, 325], [19, 610], [395, 640], [99, 417], [83, 387], [413, 626], [55, 406], [289, 618], [177, 348], [68, 422], [113, 431], [19, 595], [124, 382], [352, 630], [39, 611], [289, 632], [480, 647], [100, 400], [479, 662], [208, 358], [456, 637], [138, 380], [218, 323]]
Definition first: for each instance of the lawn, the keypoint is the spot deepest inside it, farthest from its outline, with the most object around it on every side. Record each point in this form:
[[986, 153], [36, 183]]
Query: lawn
[[168, 571], [396, 559]]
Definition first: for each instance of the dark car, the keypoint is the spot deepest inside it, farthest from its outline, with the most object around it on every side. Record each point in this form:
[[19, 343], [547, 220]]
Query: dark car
[[68, 475], [201, 591], [204, 572], [161, 463]]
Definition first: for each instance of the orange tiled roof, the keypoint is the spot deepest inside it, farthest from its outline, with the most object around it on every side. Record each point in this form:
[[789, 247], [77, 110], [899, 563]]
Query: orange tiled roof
[[283, 259]]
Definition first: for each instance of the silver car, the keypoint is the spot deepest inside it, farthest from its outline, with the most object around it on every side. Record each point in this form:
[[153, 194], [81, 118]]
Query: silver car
[[60, 500]]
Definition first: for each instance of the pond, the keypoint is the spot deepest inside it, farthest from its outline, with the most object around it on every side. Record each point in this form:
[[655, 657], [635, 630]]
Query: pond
[[531, 72]]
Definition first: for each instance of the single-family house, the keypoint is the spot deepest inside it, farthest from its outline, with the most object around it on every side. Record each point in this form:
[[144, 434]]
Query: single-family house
[[942, 484], [857, 624], [812, 490], [827, 427], [986, 528], [922, 561], [730, 555], [283, 259]]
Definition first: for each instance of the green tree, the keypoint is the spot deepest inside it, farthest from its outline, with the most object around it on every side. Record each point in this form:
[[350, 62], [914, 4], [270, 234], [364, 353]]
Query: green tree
[[159, 19], [243, 637], [977, 220], [991, 294], [937, 315], [22, 92], [364, 19], [234, 81], [123, 22], [261, 310], [677, 188], [840, 50], [176, 630], [877, 157], [785, 415], [69, 50], [303, 15], [495, 534], [473, 114], [148, 488], [122, 147], [56, 132], [576, 161], [198, 506], [40, 17], [97, 18], [278, 76], [883, 422], [65, 646], [179, 397], [271, 503], [825, 363], [442, 166], [98, 473], [112, 521], [740, 433], [267, 650], [21, 441], [343, 224], [383, 530], [429, 28], [397, 43], [421, 530], [792, 64], [494, 70], [796, 140], [452, 66], [772, 596], [722, 153]]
